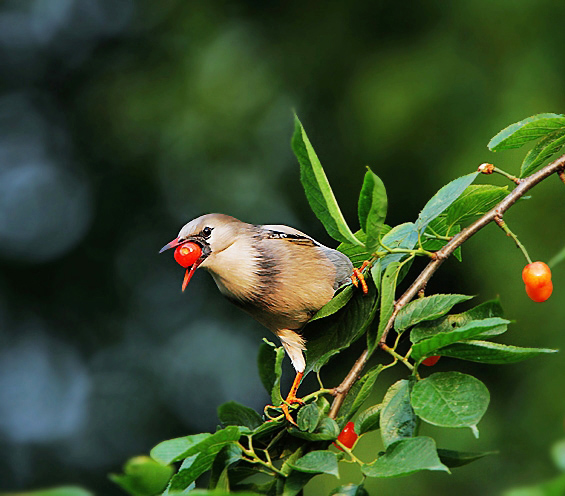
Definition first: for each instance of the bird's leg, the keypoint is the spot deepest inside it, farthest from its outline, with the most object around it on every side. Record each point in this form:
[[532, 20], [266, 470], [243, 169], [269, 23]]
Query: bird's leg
[[291, 398], [358, 278]]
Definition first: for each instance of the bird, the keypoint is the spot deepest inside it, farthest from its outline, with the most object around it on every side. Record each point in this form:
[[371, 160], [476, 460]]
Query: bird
[[277, 274]]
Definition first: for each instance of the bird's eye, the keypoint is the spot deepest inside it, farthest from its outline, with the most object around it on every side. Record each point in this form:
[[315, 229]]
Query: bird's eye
[[206, 232]]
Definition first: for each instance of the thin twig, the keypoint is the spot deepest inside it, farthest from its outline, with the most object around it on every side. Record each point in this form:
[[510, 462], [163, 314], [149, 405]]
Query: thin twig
[[500, 223], [557, 166]]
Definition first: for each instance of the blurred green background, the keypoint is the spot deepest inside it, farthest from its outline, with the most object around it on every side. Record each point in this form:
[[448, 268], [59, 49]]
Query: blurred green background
[[121, 120]]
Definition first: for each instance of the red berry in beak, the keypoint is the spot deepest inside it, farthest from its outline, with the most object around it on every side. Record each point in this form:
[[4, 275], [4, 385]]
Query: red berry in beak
[[187, 253]]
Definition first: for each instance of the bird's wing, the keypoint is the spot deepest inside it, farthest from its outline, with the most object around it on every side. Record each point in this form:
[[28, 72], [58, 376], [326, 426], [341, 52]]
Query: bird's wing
[[341, 262], [287, 233]]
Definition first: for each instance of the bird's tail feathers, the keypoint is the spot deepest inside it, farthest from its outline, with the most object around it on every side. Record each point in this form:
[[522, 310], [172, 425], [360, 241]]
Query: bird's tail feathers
[[293, 344]]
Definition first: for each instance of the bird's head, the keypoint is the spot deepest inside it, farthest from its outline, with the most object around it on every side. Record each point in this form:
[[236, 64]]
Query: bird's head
[[212, 233]]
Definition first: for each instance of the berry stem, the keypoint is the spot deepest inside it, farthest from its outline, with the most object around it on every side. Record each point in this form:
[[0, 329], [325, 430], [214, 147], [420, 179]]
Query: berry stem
[[512, 178], [500, 223], [491, 169]]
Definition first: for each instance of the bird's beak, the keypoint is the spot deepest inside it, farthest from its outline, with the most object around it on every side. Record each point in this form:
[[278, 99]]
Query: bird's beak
[[173, 244], [188, 275], [189, 271]]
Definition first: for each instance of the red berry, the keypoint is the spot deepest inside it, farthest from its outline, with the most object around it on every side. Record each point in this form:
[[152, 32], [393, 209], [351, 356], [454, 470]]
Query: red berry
[[540, 294], [537, 277], [347, 436], [187, 253], [431, 361]]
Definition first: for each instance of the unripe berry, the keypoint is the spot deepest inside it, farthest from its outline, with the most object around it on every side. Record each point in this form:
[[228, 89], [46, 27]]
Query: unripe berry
[[347, 436], [187, 253], [431, 361]]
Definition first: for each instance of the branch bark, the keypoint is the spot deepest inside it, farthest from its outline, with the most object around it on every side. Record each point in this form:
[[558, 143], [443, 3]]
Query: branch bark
[[555, 167]]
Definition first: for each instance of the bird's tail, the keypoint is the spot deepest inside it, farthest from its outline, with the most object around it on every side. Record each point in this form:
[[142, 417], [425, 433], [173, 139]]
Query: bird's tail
[[293, 344]]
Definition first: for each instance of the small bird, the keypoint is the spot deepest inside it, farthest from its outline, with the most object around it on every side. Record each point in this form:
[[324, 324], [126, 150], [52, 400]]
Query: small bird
[[277, 274]]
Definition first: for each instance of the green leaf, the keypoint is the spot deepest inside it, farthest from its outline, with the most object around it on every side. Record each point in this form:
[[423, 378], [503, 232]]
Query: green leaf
[[358, 394], [269, 361], [143, 476], [519, 133], [294, 483], [350, 490], [398, 420], [227, 456], [372, 208], [470, 330], [454, 459], [368, 420], [545, 148], [357, 254], [317, 188], [406, 457], [474, 201], [317, 462], [427, 308], [388, 290], [196, 464], [448, 323], [491, 353], [402, 236], [266, 359], [443, 199], [177, 449], [56, 491], [233, 413], [335, 304], [328, 336], [267, 429], [308, 417], [450, 399], [327, 430]]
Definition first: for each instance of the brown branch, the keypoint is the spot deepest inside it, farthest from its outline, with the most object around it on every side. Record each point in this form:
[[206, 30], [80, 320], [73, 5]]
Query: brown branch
[[557, 166]]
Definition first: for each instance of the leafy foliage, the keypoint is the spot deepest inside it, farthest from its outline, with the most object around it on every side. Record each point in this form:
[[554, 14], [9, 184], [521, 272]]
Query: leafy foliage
[[288, 455], [317, 188]]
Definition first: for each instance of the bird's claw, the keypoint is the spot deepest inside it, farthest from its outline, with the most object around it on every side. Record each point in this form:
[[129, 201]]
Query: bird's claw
[[286, 410], [290, 400], [358, 278]]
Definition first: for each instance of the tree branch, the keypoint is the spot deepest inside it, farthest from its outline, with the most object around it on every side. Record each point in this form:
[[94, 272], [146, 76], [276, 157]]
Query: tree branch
[[557, 166]]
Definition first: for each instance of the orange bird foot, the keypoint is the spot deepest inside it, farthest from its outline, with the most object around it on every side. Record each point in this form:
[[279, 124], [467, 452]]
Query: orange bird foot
[[358, 278], [291, 399]]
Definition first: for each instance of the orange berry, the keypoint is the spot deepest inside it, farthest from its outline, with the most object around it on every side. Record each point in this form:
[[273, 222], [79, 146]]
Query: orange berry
[[431, 361], [537, 277], [536, 274], [540, 294]]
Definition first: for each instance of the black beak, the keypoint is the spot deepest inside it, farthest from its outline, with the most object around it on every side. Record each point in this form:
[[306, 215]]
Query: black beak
[[173, 244]]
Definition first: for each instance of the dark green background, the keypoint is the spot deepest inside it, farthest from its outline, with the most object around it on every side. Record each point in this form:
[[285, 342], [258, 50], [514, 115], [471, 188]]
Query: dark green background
[[122, 120]]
